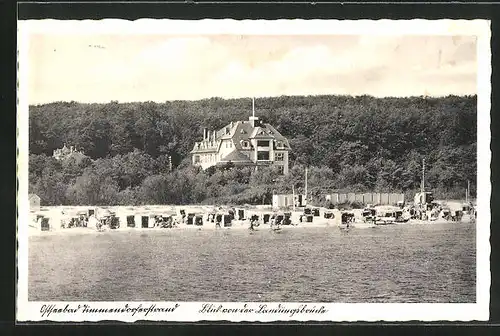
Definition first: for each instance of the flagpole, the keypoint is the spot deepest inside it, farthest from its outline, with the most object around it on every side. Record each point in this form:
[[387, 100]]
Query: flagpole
[[253, 107]]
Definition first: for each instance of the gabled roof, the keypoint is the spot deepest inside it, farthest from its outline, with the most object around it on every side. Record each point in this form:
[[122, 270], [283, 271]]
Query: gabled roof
[[277, 135], [236, 156], [77, 156], [261, 132], [227, 132], [241, 133]]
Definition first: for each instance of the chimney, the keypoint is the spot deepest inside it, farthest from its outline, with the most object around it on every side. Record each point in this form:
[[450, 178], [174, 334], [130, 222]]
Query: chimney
[[253, 118], [214, 135], [204, 134]]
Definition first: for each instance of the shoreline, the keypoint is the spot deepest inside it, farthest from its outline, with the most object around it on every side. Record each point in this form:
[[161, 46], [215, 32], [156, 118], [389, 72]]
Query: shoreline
[[241, 227]]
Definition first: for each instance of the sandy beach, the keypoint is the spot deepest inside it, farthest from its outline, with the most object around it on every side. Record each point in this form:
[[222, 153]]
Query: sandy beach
[[238, 225], [59, 214]]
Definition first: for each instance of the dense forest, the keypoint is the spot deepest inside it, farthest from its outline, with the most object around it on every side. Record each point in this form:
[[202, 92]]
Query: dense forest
[[349, 144]]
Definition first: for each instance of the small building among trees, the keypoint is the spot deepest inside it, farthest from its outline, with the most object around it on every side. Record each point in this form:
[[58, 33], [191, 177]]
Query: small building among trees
[[65, 153]]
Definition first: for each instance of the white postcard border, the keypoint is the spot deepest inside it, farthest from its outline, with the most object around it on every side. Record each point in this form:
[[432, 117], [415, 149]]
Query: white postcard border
[[190, 311]]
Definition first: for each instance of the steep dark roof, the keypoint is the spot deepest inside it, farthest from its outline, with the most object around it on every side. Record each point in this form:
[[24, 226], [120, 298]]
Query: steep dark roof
[[241, 133], [77, 156], [261, 132], [277, 135]]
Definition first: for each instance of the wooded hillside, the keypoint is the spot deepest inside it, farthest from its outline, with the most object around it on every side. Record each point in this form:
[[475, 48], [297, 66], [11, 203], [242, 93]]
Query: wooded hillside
[[349, 143]]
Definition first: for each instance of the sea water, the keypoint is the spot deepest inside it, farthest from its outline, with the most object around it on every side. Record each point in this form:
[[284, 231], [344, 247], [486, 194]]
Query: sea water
[[397, 263]]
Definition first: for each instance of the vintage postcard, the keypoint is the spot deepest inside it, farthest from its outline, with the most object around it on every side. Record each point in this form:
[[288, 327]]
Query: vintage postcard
[[222, 170]]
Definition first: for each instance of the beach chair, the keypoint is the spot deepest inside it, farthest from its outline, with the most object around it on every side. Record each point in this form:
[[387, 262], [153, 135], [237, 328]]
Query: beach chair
[[44, 225]]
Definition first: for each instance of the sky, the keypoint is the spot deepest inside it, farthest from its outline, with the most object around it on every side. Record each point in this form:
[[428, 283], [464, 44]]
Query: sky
[[130, 68]]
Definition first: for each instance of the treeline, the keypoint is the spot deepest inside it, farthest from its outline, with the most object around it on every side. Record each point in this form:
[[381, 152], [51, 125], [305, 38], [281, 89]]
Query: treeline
[[349, 144]]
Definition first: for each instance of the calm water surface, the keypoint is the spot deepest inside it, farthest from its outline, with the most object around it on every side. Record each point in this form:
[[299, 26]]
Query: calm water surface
[[404, 263]]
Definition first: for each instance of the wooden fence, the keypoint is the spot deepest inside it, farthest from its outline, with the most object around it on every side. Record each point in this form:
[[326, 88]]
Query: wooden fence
[[366, 198]]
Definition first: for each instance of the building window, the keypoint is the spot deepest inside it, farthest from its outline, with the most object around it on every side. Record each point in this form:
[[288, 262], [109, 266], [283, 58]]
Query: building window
[[281, 169], [278, 157], [279, 144], [230, 144], [196, 159], [263, 143], [245, 144], [262, 155]]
